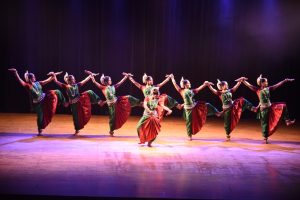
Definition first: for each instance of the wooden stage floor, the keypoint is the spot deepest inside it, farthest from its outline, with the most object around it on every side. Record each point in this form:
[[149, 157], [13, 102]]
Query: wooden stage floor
[[96, 165]]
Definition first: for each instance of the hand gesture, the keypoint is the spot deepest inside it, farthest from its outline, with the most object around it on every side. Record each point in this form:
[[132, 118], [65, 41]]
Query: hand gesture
[[54, 73], [241, 79], [289, 79], [169, 112], [12, 70], [207, 83], [91, 73], [127, 74]]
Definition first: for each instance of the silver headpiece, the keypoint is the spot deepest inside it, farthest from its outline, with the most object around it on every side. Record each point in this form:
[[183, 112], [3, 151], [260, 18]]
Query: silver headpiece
[[26, 76]]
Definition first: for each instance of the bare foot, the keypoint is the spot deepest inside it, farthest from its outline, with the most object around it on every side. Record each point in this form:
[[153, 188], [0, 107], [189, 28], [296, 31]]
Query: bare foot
[[76, 132], [149, 144], [40, 132], [266, 141], [227, 138], [190, 138], [111, 133]]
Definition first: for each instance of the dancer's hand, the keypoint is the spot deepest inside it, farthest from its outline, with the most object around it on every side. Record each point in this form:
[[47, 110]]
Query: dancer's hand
[[169, 112], [88, 72], [58, 73], [91, 73], [241, 79], [168, 76], [12, 70], [289, 79], [207, 83], [126, 74], [54, 73]]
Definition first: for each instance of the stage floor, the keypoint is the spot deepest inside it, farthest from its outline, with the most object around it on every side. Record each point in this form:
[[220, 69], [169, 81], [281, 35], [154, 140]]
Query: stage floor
[[96, 165]]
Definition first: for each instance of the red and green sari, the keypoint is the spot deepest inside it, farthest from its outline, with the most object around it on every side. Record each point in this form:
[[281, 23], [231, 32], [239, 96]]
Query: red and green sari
[[81, 105], [164, 98], [44, 104], [149, 125], [195, 112], [270, 113], [233, 110], [119, 108]]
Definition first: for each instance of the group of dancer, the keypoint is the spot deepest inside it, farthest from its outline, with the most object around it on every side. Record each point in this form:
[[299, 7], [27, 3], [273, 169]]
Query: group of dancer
[[155, 105]]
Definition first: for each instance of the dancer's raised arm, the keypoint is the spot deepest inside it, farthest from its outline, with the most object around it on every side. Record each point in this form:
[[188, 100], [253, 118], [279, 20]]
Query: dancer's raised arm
[[100, 86], [237, 85], [251, 87], [53, 74], [84, 81], [175, 84], [49, 79], [273, 87], [122, 80], [46, 81], [211, 88], [168, 77], [201, 87], [23, 83], [138, 85]]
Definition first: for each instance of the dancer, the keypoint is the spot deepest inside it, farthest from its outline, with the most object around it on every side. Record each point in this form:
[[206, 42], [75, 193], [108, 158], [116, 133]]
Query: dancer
[[44, 104], [149, 125], [194, 112], [146, 89], [80, 103], [119, 108], [232, 110], [269, 113]]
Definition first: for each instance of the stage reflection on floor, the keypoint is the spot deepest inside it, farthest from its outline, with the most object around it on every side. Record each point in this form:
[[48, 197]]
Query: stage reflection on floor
[[94, 164]]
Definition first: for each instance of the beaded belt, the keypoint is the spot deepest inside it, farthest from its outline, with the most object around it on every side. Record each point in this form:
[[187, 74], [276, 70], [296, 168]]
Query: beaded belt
[[147, 113], [265, 105], [189, 107], [111, 102], [226, 106], [72, 101], [39, 99]]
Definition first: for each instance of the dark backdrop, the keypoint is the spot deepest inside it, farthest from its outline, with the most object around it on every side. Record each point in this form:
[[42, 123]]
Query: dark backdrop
[[200, 40]]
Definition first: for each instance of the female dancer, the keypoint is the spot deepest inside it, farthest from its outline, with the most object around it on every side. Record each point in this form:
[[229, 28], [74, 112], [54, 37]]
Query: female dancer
[[149, 125], [80, 103], [119, 108], [43, 104], [269, 113], [194, 112], [232, 110], [148, 81]]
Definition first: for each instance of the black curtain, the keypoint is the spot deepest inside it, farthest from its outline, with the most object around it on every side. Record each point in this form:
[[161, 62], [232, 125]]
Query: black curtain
[[198, 39]]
